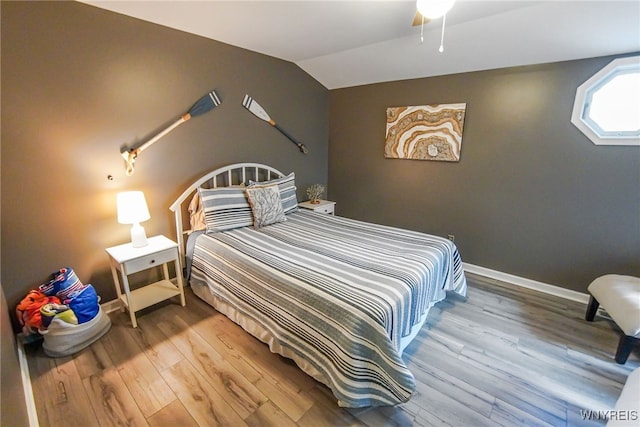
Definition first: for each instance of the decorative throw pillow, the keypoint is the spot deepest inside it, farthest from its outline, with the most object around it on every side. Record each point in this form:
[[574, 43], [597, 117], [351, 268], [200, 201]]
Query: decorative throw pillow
[[225, 208], [266, 205], [287, 187]]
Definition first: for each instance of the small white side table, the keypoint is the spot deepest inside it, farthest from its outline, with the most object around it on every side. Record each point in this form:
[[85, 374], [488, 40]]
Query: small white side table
[[325, 206], [128, 260]]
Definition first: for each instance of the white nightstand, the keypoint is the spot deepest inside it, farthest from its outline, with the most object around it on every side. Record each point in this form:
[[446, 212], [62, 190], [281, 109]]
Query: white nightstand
[[128, 260], [325, 206]]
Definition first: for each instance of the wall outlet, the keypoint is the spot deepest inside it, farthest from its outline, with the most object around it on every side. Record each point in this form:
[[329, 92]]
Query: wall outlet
[[451, 237]]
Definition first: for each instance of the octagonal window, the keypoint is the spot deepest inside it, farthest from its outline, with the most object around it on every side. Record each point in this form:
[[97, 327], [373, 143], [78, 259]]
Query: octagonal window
[[607, 106]]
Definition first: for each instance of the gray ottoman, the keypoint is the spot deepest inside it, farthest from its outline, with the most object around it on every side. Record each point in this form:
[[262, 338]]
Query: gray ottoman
[[620, 296]]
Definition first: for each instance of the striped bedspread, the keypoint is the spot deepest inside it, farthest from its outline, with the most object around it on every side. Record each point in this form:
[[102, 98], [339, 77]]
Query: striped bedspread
[[336, 293]]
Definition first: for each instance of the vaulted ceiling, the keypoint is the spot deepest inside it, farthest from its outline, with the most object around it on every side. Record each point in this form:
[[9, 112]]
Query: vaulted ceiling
[[350, 43]]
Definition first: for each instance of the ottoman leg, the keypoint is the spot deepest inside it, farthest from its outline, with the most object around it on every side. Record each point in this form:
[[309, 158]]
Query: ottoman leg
[[592, 308], [624, 348]]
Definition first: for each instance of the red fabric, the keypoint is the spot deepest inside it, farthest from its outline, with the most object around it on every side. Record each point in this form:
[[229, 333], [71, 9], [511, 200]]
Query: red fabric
[[28, 310]]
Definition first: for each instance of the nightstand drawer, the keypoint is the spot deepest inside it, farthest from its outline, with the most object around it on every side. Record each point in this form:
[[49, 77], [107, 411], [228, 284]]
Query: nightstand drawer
[[148, 261], [323, 206], [328, 209]]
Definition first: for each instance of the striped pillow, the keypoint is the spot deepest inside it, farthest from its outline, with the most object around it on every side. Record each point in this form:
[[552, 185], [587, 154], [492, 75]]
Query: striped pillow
[[225, 208], [287, 187]]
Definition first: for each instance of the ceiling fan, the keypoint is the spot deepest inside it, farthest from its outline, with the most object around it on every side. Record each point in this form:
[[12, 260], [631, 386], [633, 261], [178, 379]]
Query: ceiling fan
[[432, 9], [418, 19]]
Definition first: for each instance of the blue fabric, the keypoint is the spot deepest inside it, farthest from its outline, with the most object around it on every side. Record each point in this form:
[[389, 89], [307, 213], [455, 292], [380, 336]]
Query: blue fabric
[[84, 303]]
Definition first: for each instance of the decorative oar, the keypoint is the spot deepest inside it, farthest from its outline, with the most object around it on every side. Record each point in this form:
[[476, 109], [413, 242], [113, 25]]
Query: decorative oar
[[203, 105], [250, 104]]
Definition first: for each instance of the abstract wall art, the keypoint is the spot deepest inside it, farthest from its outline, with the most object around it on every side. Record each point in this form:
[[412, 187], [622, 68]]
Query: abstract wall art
[[426, 132]]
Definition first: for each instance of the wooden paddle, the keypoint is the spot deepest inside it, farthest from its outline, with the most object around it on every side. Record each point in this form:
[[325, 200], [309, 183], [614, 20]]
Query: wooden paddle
[[250, 104], [203, 105]]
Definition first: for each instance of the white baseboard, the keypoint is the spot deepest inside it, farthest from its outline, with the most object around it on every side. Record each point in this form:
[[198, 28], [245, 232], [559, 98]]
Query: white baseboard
[[527, 283], [110, 306], [26, 382]]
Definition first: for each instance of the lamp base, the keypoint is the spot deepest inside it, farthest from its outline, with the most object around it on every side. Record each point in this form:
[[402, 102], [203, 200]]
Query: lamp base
[[138, 236]]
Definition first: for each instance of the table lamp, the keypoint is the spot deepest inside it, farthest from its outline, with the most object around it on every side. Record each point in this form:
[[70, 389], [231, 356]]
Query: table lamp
[[132, 209]]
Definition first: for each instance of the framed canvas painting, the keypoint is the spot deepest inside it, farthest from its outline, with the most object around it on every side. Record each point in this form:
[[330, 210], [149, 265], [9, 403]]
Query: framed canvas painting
[[426, 132]]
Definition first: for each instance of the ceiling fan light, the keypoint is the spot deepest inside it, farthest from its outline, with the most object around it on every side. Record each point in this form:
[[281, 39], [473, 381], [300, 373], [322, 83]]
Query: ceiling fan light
[[433, 9]]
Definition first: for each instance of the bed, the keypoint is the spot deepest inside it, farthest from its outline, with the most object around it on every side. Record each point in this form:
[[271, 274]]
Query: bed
[[342, 298]]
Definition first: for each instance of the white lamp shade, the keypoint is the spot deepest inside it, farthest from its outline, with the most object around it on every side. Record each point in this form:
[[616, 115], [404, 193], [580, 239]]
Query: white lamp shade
[[433, 9], [132, 207]]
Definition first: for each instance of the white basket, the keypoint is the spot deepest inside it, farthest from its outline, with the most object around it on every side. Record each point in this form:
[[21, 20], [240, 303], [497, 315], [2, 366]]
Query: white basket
[[62, 339]]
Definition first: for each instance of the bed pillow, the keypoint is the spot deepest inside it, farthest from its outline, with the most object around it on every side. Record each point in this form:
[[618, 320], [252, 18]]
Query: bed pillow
[[225, 208], [287, 187], [266, 205], [196, 213]]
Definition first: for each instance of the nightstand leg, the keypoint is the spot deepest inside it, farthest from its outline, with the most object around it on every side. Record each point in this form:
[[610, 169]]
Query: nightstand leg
[[165, 271], [180, 285], [116, 281], [127, 293]]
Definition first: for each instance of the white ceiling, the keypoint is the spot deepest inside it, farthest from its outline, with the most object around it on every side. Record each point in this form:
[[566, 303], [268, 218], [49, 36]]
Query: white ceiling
[[350, 43]]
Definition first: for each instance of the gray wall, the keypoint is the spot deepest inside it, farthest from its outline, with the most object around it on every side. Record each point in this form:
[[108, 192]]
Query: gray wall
[[78, 82], [13, 409], [531, 195]]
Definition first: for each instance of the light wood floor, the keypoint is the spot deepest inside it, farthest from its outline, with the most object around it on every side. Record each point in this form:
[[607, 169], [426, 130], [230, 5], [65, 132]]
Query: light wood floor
[[504, 356]]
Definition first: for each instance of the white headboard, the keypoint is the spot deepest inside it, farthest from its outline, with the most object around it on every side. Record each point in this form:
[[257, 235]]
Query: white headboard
[[226, 176]]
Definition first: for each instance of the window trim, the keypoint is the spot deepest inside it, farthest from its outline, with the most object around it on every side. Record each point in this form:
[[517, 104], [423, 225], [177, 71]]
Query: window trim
[[583, 96]]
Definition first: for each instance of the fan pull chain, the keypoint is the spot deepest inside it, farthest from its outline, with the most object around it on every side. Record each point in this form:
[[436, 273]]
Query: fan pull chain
[[444, 19], [422, 31]]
